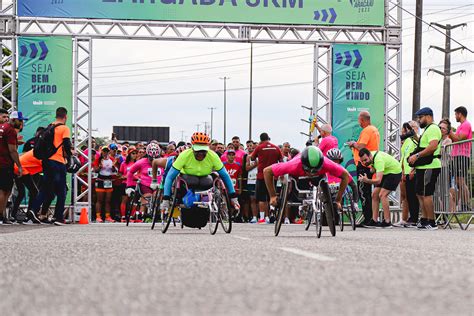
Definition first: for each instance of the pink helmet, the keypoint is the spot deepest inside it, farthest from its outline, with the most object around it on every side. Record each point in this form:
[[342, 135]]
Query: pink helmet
[[153, 150]]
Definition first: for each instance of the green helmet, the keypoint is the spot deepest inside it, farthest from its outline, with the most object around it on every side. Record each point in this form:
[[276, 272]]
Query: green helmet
[[312, 159]]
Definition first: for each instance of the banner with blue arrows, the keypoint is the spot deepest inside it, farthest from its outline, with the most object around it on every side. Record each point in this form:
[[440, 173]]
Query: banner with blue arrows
[[302, 12], [358, 83], [44, 80]]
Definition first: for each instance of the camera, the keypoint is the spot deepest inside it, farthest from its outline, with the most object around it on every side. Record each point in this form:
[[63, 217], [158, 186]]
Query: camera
[[408, 134]]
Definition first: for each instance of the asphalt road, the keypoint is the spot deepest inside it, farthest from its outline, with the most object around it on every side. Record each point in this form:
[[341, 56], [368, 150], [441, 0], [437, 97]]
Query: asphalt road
[[110, 269]]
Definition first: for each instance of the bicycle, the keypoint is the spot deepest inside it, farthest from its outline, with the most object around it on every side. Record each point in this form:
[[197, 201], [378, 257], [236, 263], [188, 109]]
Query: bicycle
[[317, 199], [134, 204], [215, 199]]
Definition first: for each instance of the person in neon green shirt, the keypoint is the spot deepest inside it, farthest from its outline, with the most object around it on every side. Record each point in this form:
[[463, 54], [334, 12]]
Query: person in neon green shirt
[[388, 173], [196, 164], [427, 173]]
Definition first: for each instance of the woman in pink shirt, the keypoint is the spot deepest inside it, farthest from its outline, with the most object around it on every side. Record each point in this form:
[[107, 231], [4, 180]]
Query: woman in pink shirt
[[123, 173]]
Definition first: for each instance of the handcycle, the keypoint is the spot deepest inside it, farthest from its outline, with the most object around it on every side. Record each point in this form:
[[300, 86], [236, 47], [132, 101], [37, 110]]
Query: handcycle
[[316, 201], [349, 207], [134, 204], [215, 199]]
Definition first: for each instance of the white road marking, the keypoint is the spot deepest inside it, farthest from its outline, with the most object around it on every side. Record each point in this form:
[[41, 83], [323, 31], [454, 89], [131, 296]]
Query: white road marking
[[239, 237], [308, 254]]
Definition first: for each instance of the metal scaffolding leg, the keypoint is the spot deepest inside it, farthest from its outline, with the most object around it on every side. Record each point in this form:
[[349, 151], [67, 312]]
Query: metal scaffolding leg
[[322, 82], [82, 123]]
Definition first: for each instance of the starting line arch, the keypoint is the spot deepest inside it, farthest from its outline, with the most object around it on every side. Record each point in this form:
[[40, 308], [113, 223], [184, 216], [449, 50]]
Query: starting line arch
[[84, 30]]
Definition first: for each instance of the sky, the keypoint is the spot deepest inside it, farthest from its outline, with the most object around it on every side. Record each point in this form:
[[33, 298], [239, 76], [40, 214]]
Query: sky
[[175, 70]]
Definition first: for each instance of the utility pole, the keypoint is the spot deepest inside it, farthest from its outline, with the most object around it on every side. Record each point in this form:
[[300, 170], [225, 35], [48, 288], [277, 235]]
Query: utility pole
[[251, 91], [212, 119], [182, 135], [417, 59], [206, 127], [225, 106], [447, 65], [197, 127]]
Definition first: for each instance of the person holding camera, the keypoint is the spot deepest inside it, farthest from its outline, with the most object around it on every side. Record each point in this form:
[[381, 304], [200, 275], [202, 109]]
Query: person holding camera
[[409, 201], [425, 160]]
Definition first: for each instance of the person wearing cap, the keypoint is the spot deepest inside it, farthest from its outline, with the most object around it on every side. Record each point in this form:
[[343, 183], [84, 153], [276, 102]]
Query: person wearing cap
[[427, 165], [54, 169], [196, 165], [213, 145], [369, 138], [8, 158], [17, 121], [239, 153], [328, 141], [234, 169]]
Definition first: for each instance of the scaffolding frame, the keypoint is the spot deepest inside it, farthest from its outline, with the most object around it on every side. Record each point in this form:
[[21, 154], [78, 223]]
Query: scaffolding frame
[[84, 31]]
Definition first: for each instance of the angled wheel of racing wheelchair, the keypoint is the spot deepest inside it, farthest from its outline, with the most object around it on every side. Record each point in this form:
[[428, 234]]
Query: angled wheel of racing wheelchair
[[328, 206], [166, 217], [155, 207], [222, 202], [282, 202]]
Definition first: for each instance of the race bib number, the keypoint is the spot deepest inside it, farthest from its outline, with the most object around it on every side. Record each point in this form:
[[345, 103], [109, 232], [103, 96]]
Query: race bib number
[[107, 184], [234, 182], [149, 172]]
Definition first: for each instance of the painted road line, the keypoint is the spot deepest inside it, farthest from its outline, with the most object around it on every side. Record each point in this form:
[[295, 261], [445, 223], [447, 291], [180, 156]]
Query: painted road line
[[308, 254], [239, 237]]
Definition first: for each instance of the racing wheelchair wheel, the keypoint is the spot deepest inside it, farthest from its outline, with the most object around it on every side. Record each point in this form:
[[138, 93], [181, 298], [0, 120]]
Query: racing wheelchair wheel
[[155, 207], [280, 209], [328, 206], [166, 217], [222, 202]]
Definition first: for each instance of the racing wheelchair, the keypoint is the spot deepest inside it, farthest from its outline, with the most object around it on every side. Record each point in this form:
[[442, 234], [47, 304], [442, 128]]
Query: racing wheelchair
[[315, 201], [201, 201]]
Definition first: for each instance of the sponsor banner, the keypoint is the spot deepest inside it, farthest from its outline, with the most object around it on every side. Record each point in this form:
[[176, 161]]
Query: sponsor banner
[[358, 84], [44, 80], [304, 12]]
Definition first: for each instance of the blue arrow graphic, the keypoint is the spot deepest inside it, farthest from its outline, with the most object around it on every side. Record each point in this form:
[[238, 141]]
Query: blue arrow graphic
[[325, 15], [34, 50], [23, 51], [348, 58], [358, 58], [338, 58], [44, 50], [316, 15], [333, 15]]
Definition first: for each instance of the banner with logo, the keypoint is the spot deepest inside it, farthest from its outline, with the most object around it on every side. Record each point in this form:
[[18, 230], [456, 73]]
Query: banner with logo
[[307, 12], [358, 84], [44, 80]]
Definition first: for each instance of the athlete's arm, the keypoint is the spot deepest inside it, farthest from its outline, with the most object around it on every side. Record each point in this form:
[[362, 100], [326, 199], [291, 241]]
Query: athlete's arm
[[13, 150], [157, 163], [172, 174], [227, 181], [345, 178], [251, 164], [268, 176]]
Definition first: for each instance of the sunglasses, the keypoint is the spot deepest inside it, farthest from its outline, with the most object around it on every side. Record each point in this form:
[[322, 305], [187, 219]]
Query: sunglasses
[[200, 152], [310, 170]]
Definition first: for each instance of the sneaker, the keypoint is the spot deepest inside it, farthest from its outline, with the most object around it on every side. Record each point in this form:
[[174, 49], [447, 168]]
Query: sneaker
[[371, 224], [272, 219], [262, 221], [429, 225], [32, 216], [421, 223], [109, 219], [253, 220], [299, 221], [59, 223], [384, 224], [267, 220], [401, 224], [7, 222], [287, 221], [98, 220]]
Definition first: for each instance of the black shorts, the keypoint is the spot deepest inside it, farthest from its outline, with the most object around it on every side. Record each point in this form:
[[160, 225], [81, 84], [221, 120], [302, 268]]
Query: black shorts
[[426, 181], [460, 166], [261, 191], [390, 181], [6, 179]]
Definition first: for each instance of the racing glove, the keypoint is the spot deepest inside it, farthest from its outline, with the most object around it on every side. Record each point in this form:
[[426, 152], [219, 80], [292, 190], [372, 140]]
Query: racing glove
[[154, 184], [129, 191]]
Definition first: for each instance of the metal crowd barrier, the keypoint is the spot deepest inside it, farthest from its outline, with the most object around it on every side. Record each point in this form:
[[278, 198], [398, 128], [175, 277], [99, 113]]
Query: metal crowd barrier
[[453, 198]]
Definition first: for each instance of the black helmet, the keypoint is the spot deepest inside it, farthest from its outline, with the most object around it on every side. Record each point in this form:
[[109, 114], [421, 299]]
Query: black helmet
[[335, 154], [312, 159], [73, 165]]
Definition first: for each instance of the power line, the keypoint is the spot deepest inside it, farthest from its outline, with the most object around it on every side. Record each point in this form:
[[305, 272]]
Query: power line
[[445, 10], [201, 63], [202, 68], [201, 91], [436, 29]]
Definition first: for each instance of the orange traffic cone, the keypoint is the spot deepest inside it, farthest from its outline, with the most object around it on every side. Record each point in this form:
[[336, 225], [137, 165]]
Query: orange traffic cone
[[84, 219]]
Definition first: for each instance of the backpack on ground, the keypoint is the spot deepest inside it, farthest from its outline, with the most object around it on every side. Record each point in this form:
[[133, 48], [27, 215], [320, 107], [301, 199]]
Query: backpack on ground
[[44, 147]]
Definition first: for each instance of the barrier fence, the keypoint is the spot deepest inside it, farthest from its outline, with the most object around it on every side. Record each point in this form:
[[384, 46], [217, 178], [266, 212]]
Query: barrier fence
[[453, 198]]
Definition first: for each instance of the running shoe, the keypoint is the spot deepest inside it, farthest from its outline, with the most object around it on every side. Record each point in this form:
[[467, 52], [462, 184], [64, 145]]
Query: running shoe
[[253, 220], [429, 225], [262, 221], [421, 223], [109, 219], [32, 216], [384, 224], [59, 223], [299, 221], [401, 224], [287, 221], [271, 219], [7, 222], [371, 224], [99, 220]]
